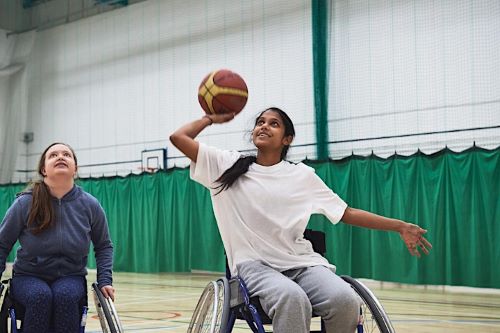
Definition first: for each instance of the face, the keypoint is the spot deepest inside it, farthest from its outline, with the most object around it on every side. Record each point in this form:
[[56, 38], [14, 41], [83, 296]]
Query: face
[[269, 132], [59, 161]]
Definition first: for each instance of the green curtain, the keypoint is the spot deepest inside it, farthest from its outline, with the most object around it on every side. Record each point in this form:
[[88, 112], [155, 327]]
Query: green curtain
[[164, 222], [7, 196], [320, 36], [159, 222], [455, 196]]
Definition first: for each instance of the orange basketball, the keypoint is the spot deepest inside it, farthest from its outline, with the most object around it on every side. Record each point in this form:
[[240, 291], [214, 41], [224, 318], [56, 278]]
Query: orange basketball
[[223, 91]]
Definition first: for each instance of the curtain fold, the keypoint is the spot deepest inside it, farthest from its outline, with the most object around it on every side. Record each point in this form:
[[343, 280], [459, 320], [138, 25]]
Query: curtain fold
[[164, 222], [321, 37]]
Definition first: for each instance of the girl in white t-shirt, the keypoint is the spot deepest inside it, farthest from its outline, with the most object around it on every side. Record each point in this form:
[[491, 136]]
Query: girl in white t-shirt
[[262, 205]]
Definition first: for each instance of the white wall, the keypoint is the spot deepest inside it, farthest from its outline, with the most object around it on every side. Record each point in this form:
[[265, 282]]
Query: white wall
[[118, 83], [406, 67]]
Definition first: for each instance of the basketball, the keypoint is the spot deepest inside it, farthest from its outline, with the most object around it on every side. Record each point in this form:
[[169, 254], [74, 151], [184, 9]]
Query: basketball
[[223, 91]]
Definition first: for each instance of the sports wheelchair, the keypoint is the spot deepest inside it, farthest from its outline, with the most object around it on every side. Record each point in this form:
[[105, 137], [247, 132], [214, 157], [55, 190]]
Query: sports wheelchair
[[13, 312], [227, 299]]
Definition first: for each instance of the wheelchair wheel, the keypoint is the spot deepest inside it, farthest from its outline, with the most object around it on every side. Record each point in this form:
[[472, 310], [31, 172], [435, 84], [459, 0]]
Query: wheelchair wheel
[[373, 315], [4, 316], [108, 317], [211, 312]]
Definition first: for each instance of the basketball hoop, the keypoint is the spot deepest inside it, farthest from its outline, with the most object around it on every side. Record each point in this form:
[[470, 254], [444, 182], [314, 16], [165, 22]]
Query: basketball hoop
[[148, 170]]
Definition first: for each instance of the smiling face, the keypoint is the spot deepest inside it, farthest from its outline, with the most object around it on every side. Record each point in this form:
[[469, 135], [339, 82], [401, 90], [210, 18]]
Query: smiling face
[[270, 132], [58, 160]]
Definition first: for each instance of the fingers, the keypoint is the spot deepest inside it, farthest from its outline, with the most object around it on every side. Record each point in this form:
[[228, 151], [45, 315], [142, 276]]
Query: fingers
[[418, 231], [421, 244], [108, 292], [425, 242], [222, 118], [413, 250], [415, 241]]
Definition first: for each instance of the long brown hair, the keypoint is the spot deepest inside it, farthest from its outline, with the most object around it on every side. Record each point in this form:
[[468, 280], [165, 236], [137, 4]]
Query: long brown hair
[[41, 215]]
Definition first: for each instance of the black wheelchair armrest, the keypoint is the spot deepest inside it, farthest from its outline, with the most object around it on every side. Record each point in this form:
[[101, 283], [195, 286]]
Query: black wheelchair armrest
[[317, 239]]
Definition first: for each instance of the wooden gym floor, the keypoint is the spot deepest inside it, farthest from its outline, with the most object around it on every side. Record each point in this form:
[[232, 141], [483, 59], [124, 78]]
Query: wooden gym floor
[[164, 303]]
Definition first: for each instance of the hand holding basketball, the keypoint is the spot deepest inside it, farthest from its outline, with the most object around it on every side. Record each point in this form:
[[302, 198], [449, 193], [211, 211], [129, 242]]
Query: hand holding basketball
[[221, 92], [220, 118]]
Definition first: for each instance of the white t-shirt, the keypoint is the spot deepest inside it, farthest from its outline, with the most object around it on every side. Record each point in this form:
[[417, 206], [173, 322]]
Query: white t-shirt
[[263, 215]]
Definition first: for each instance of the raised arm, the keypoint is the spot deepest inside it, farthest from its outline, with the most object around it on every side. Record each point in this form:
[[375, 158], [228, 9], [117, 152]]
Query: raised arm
[[410, 233], [183, 138]]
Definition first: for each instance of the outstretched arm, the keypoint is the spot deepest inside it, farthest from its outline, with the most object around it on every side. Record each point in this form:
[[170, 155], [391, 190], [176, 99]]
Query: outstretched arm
[[183, 138], [410, 233]]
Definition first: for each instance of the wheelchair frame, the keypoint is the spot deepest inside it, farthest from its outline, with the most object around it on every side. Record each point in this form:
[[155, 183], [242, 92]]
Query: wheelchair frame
[[106, 311], [213, 317], [108, 317], [237, 303]]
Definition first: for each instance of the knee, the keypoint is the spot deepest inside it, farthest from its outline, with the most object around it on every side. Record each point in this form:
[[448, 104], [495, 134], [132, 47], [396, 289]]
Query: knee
[[41, 297], [350, 304], [344, 304], [68, 290], [66, 296], [294, 298]]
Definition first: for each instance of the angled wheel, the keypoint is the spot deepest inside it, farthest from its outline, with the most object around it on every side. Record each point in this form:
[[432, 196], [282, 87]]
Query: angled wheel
[[108, 317], [211, 312], [373, 316], [4, 315]]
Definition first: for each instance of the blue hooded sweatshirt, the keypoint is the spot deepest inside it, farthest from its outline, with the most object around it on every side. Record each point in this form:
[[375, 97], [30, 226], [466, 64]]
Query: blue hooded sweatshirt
[[63, 249]]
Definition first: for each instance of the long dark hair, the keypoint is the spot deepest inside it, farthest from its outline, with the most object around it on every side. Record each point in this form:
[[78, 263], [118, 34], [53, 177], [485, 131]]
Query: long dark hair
[[243, 163], [41, 215]]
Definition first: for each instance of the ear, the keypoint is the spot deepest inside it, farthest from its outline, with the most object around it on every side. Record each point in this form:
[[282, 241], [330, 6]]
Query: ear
[[44, 173], [287, 140]]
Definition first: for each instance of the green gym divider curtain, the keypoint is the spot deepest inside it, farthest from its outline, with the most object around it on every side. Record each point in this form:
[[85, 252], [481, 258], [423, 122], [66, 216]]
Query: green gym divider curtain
[[320, 11], [455, 196], [7, 196], [164, 222]]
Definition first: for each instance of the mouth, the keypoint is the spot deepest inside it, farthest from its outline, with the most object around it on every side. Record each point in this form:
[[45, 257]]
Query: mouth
[[262, 134], [61, 164]]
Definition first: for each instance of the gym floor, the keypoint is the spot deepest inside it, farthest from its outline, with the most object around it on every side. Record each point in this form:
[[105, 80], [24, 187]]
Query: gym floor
[[164, 303]]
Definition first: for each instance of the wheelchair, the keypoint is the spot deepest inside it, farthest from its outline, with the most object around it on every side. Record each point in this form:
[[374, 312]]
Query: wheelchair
[[227, 299], [13, 312], [106, 311]]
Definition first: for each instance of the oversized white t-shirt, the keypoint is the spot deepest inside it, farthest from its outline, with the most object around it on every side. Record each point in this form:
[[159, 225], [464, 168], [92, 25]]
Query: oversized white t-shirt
[[263, 215]]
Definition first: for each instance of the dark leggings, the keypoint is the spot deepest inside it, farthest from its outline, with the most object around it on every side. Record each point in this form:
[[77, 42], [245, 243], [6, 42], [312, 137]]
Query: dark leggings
[[44, 301]]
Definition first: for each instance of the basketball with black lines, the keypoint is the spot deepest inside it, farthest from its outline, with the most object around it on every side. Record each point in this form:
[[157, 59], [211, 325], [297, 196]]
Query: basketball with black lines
[[223, 91]]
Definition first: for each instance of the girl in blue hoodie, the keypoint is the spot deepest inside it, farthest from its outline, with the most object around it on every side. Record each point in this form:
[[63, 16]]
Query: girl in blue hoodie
[[55, 221]]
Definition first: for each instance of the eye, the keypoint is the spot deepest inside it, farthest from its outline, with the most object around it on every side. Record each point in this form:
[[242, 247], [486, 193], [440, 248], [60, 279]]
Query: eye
[[66, 154], [275, 124], [260, 122], [52, 155]]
